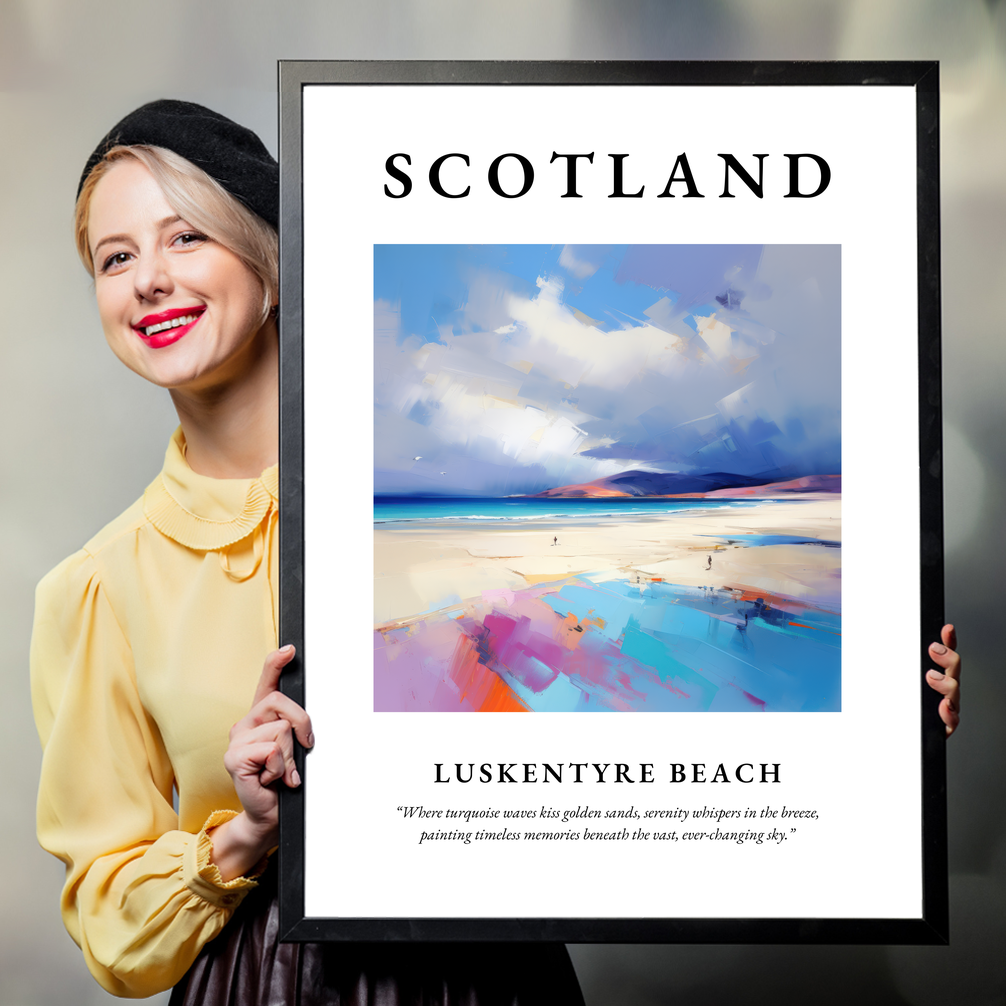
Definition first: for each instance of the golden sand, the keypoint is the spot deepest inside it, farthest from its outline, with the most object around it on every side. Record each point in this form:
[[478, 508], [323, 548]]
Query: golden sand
[[421, 566]]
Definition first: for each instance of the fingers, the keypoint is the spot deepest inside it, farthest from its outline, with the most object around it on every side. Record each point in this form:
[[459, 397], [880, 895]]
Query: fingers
[[277, 706], [949, 636], [262, 761], [948, 710], [261, 749], [948, 660], [265, 751], [945, 655], [947, 686], [279, 764], [950, 715], [270, 703], [271, 671], [947, 680]]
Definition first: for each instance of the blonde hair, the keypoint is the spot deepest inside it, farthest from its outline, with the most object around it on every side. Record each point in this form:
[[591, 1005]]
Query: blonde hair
[[199, 200]]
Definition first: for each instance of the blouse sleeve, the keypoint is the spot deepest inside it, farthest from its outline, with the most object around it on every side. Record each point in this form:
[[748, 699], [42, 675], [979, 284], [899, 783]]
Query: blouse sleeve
[[141, 898]]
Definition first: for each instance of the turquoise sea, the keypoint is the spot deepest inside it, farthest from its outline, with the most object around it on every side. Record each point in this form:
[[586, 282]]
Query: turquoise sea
[[510, 508]]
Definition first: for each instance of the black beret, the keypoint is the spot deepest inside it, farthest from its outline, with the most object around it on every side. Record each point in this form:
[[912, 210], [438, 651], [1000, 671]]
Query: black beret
[[231, 154]]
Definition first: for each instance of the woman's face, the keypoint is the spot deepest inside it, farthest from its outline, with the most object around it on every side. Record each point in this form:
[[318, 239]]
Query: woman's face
[[177, 308]]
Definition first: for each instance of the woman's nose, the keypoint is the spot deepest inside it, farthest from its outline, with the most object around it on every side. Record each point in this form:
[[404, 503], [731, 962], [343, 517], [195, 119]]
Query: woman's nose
[[152, 277]]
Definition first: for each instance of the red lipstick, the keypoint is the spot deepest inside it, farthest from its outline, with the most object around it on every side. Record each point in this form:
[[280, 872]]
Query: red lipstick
[[166, 327]]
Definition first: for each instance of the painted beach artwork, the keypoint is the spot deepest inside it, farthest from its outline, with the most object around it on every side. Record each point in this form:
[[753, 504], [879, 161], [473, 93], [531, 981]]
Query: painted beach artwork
[[607, 478]]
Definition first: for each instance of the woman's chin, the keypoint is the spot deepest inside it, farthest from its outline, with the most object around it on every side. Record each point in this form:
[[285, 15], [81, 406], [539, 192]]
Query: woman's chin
[[172, 374], [196, 365]]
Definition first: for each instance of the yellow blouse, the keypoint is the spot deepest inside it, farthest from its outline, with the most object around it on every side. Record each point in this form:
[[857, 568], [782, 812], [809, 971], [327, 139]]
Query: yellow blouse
[[147, 647]]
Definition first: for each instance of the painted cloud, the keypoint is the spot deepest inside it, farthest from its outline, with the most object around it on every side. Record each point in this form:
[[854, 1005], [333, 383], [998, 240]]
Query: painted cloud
[[511, 369]]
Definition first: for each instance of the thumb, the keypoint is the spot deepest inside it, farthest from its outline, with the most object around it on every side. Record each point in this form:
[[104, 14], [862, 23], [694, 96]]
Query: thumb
[[271, 671]]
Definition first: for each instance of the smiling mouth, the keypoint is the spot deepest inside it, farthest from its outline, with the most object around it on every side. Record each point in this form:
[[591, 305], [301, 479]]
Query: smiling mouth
[[185, 319], [167, 327], [167, 321]]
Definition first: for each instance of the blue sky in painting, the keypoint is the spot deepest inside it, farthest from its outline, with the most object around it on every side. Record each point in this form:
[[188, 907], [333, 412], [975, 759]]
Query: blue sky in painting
[[503, 369]]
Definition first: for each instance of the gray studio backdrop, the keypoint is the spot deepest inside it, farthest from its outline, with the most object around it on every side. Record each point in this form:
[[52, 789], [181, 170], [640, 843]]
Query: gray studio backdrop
[[82, 437]]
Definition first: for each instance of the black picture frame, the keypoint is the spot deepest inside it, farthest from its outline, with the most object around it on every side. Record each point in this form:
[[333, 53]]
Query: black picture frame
[[931, 927]]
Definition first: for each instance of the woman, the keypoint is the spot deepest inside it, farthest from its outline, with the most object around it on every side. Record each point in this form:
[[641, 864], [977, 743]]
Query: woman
[[148, 643]]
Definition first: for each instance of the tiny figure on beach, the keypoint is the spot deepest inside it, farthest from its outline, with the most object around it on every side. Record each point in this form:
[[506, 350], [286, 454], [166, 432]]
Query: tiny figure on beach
[[709, 558], [555, 540]]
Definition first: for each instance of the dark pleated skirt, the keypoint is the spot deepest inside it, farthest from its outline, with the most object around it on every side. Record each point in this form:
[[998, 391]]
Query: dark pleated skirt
[[246, 965]]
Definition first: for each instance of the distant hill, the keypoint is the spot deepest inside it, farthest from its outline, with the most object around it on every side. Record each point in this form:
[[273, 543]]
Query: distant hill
[[715, 484]]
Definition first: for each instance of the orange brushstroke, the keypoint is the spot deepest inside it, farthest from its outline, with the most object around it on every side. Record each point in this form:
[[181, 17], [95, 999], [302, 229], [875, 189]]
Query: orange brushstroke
[[486, 691], [790, 605], [813, 628], [566, 634]]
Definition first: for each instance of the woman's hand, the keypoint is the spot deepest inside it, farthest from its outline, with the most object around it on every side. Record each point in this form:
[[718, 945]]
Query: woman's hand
[[948, 681], [260, 753]]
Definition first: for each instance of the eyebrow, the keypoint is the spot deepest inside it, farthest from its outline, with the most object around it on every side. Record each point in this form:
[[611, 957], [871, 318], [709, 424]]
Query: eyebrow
[[111, 238]]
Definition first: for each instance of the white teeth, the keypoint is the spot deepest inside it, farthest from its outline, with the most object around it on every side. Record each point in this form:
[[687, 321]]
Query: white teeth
[[173, 323]]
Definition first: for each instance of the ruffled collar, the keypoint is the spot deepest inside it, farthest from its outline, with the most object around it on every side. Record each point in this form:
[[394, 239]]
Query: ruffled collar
[[203, 513]]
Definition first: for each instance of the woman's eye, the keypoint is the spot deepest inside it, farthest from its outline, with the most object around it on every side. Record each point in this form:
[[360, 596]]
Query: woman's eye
[[190, 238], [114, 261]]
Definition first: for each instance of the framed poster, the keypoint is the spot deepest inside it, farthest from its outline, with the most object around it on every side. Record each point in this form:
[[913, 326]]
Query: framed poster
[[612, 388]]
